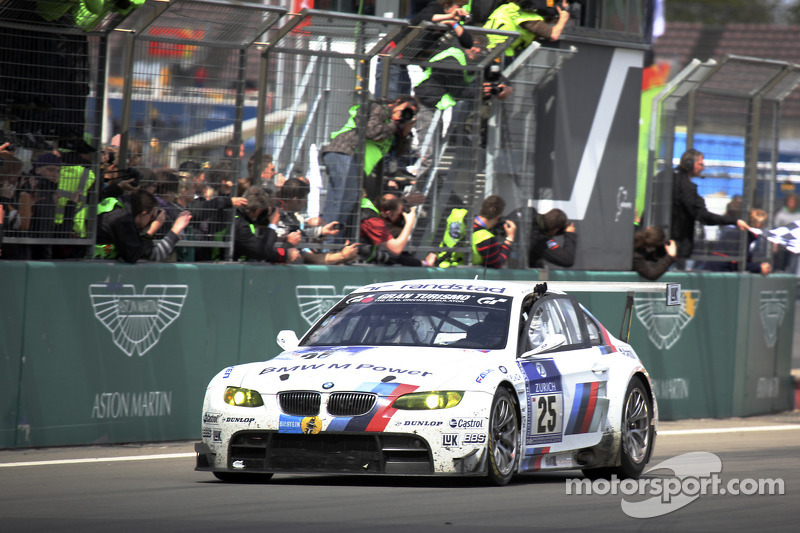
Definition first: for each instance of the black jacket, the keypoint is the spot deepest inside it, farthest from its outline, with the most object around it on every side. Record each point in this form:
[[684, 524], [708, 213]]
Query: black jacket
[[545, 248], [255, 242], [687, 207]]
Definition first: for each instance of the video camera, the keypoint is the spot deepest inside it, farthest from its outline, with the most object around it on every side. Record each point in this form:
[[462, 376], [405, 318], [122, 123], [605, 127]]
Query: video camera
[[549, 8], [406, 114]]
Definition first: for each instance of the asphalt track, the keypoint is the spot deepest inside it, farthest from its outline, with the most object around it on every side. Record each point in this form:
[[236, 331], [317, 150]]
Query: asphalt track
[[154, 489]]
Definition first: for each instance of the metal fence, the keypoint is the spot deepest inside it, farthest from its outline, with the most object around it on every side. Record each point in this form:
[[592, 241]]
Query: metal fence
[[731, 111], [197, 99]]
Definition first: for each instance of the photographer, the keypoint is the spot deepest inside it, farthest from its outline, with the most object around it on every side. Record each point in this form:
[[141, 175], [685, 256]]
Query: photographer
[[544, 246], [382, 247], [255, 233], [532, 19], [488, 249], [126, 226], [385, 125]]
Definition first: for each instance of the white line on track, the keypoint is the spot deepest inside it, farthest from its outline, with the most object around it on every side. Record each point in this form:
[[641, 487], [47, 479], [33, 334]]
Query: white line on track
[[705, 431], [711, 431], [101, 459]]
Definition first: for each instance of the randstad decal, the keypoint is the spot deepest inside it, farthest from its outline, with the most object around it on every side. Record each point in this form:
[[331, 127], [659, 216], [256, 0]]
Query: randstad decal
[[136, 321], [664, 323]]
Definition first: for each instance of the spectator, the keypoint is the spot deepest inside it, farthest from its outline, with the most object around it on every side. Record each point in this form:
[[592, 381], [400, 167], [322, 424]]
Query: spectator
[[729, 245], [268, 177], [533, 23], [376, 232], [487, 249], [449, 12], [543, 244], [785, 260], [652, 254], [292, 200], [15, 205], [689, 207], [384, 124], [126, 227], [255, 230]]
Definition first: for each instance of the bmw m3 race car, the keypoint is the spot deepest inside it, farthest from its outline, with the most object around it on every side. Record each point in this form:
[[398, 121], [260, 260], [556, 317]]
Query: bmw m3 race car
[[429, 377]]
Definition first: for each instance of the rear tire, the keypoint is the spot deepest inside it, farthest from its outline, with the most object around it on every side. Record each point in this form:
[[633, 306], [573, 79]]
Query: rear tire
[[503, 438], [636, 440], [242, 477]]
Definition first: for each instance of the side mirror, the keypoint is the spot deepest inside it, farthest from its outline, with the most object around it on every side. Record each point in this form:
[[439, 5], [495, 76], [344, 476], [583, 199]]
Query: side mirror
[[287, 339], [551, 342]]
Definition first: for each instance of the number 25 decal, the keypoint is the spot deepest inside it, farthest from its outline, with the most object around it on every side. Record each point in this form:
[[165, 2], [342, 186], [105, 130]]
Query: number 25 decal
[[546, 407]]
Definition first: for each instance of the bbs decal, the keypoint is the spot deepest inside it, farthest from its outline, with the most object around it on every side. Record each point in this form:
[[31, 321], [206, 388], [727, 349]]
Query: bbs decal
[[474, 438]]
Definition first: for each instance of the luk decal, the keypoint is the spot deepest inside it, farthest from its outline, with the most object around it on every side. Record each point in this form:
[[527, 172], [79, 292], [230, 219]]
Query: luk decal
[[449, 440], [772, 309], [315, 300], [136, 321], [664, 323]]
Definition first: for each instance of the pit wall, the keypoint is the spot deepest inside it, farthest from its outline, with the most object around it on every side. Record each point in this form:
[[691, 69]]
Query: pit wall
[[111, 353]]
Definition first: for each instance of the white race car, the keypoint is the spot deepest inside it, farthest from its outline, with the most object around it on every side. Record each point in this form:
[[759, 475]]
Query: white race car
[[430, 377]]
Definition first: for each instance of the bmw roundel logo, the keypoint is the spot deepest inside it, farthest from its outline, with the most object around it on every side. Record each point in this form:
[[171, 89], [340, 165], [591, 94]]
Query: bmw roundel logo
[[540, 369], [327, 385]]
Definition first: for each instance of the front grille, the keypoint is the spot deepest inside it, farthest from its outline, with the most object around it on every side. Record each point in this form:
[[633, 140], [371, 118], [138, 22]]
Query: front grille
[[299, 403], [351, 403], [354, 453]]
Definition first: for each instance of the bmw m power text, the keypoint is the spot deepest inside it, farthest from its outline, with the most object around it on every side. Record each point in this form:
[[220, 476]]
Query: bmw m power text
[[436, 377]]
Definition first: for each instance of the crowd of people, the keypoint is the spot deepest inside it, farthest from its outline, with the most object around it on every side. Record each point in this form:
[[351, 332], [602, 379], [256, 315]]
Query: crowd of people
[[144, 214]]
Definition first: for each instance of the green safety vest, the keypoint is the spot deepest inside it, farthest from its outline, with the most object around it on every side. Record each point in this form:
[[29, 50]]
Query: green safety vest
[[455, 232], [373, 150], [107, 251], [87, 13], [74, 178], [457, 53], [477, 238], [509, 17]]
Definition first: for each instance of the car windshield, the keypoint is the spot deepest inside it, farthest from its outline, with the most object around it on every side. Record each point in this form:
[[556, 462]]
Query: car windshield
[[415, 318]]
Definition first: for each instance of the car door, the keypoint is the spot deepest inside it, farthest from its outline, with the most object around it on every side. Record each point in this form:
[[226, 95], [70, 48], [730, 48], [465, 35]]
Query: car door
[[565, 376]]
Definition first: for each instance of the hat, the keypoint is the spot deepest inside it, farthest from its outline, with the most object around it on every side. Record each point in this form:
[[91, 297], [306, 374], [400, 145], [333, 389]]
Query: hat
[[47, 159]]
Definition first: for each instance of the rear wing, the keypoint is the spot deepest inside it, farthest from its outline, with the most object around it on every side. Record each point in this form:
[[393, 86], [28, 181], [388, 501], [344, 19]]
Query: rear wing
[[672, 293]]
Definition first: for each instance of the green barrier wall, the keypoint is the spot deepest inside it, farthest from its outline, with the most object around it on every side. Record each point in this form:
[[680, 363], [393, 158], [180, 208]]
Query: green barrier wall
[[107, 352]]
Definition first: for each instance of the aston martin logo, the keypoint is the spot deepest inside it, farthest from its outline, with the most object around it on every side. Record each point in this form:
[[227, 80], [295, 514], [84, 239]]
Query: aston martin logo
[[773, 308], [136, 320], [315, 300], [664, 324]]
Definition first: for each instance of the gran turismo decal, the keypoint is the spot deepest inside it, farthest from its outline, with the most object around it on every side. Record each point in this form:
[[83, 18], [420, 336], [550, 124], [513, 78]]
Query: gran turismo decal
[[315, 300], [772, 308], [664, 323], [136, 321]]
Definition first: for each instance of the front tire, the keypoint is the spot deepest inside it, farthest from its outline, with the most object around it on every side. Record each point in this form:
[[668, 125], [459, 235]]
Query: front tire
[[503, 438]]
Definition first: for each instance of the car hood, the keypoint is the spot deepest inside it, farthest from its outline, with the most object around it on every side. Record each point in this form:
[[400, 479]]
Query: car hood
[[364, 367]]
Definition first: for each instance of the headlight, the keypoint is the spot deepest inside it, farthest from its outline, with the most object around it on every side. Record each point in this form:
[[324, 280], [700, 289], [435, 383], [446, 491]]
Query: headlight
[[429, 400], [243, 397]]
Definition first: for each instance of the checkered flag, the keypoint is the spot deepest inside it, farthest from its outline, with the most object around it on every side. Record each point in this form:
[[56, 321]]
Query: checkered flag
[[788, 236]]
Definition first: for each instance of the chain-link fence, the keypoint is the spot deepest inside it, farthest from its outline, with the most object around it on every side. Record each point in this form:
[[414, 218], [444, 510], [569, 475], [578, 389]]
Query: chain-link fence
[[729, 111], [197, 100]]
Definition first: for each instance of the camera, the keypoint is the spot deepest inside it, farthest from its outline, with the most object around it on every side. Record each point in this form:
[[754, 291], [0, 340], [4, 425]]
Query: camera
[[466, 19], [493, 78], [406, 114]]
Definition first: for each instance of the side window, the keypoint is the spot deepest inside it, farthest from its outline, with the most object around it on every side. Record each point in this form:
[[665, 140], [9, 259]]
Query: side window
[[595, 338], [546, 328], [555, 323], [571, 322]]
